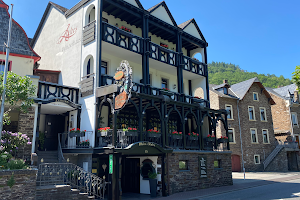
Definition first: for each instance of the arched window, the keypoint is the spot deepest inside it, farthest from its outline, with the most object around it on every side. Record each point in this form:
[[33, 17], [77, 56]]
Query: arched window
[[90, 14], [88, 67]]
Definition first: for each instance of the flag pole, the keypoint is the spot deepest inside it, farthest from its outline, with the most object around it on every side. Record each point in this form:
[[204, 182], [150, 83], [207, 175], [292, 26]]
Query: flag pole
[[6, 69]]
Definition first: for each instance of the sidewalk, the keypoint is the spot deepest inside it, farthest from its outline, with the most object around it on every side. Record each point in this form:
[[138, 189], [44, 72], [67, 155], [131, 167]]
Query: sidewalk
[[253, 179]]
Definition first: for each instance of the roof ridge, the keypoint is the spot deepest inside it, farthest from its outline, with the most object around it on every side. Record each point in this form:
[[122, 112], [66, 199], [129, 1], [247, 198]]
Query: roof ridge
[[184, 24], [61, 8]]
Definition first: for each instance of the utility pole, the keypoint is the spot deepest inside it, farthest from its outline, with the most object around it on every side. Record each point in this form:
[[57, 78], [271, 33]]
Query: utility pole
[[6, 69]]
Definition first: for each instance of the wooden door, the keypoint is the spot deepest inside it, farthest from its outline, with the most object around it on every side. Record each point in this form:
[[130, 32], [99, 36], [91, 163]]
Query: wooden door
[[235, 163], [54, 125], [131, 175]]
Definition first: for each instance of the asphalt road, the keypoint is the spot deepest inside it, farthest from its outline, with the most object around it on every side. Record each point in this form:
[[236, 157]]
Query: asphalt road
[[278, 190]]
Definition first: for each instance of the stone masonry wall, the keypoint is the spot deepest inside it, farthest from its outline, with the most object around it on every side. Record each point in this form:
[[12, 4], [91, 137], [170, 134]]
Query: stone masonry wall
[[23, 188], [187, 180], [279, 163], [26, 124], [280, 114]]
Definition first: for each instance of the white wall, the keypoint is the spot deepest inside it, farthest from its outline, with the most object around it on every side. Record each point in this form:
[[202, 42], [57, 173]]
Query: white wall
[[20, 66], [144, 184], [199, 87]]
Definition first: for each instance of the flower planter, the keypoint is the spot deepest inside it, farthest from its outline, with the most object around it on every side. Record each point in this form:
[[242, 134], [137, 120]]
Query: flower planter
[[131, 133], [210, 139], [102, 134], [165, 92], [177, 137], [156, 135], [153, 187], [193, 138], [82, 146], [77, 134], [222, 140], [196, 100]]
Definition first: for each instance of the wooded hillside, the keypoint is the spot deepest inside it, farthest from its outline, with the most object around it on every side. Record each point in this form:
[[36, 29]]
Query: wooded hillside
[[218, 71]]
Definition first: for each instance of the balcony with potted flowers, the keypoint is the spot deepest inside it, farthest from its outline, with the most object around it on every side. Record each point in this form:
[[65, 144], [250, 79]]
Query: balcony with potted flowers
[[76, 139], [192, 140]]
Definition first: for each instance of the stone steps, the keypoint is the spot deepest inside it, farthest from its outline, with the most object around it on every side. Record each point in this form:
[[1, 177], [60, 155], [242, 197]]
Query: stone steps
[[48, 156]]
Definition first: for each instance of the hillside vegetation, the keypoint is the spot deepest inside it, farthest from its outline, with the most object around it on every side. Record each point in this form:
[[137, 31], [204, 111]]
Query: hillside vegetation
[[218, 71]]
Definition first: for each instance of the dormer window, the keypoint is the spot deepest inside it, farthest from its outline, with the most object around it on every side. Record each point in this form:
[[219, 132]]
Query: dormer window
[[225, 89]]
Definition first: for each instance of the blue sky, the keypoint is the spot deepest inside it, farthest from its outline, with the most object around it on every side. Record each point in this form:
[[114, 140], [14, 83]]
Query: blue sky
[[259, 36]]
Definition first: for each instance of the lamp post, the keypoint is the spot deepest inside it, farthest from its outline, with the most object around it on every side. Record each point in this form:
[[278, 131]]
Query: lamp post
[[5, 70]]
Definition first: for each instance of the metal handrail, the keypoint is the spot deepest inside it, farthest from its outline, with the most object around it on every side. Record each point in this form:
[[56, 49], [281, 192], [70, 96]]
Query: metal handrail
[[61, 158], [71, 174]]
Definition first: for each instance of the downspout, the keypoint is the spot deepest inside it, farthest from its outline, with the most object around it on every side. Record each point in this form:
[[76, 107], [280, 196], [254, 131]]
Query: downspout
[[34, 128], [241, 137], [291, 120]]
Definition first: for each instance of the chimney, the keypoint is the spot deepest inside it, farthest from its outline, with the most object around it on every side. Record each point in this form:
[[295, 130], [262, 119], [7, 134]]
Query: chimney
[[225, 81], [296, 96]]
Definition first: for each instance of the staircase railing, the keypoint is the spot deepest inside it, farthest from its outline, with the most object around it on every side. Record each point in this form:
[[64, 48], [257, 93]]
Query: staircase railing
[[70, 174], [278, 148], [61, 158]]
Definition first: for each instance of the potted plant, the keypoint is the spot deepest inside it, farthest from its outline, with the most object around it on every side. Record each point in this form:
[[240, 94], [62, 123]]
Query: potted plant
[[177, 135], [223, 139], [210, 138], [166, 91], [153, 133], [130, 131], [125, 29], [193, 136], [84, 144], [153, 183], [102, 132], [77, 132]]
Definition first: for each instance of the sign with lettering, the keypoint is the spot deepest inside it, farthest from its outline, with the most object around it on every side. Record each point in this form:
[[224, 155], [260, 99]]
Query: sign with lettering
[[67, 34], [111, 162], [120, 100], [119, 75], [203, 166]]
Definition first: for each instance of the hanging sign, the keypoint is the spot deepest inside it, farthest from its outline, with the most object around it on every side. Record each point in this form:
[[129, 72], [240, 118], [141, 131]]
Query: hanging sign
[[123, 78], [111, 162]]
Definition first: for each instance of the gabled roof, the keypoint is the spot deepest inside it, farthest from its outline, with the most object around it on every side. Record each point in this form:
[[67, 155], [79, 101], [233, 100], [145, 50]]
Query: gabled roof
[[214, 88], [192, 21], [286, 90], [58, 7], [138, 3], [164, 5], [19, 45], [241, 89]]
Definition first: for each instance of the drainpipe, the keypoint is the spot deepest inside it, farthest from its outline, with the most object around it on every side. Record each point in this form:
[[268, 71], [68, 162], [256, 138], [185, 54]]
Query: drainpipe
[[34, 127], [241, 136], [291, 120]]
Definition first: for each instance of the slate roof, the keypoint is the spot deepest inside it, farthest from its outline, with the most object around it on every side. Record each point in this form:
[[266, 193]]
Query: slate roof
[[221, 94], [240, 89], [286, 90]]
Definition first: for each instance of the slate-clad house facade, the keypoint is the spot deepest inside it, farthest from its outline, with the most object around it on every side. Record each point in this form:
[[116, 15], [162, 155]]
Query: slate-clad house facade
[[22, 60], [86, 44], [250, 124]]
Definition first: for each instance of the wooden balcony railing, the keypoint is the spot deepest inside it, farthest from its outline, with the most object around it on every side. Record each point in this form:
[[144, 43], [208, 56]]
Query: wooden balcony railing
[[163, 54]]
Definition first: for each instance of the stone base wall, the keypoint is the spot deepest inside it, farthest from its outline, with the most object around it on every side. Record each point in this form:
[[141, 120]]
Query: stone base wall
[[187, 180], [279, 163], [24, 186], [26, 124]]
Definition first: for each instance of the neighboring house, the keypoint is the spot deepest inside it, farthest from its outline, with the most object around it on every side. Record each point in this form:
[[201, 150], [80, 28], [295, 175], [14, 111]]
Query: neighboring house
[[285, 120], [22, 60], [86, 44], [249, 123]]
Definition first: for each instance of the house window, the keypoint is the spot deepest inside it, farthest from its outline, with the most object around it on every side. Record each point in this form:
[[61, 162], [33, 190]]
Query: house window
[[225, 90], [231, 135], [217, 163], [2, 66], [256, 159], [253, 135], [263, 115], [164, 83], [183, 165], [265, 136], [103, 67], [294, 119], [229, 110], [255, 96], [251, 113]]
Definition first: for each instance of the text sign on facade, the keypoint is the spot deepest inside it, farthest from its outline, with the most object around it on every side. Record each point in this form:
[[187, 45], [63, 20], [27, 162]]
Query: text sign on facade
[[120, 100], [111, 162], [203, 166]]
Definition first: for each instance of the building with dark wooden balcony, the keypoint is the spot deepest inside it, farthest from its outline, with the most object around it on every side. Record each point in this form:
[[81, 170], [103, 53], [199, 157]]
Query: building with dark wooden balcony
[[164, 127]]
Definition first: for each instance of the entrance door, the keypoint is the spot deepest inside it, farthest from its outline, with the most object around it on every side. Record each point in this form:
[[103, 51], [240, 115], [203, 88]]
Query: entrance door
[[54, 125], [235, 163], [131, 175]]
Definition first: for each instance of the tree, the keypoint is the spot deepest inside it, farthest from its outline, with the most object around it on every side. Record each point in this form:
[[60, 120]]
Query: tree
[[296, 76], [19, 93]]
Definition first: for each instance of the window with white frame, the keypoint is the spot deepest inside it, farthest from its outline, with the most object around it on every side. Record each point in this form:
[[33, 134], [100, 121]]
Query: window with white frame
[[255, 96], [265, 134], [253, 135], [256, 159], [228, 108], [251, 112], [294, 119], [231, 135], [263, 114]]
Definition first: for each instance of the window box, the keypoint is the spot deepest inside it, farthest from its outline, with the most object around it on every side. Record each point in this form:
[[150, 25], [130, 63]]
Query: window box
[[210, 139], [82, 146], [131, 133], [77, 134], [155, 135], [166, 92], [177, 137], [197, 100], [193, 138], [222, 140], [102, 134]]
